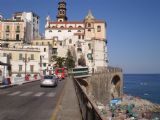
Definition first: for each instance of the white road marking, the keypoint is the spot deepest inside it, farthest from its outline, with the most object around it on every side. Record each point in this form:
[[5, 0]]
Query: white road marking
[[26, 94], [15, 93], [51, 94], [39, 94]]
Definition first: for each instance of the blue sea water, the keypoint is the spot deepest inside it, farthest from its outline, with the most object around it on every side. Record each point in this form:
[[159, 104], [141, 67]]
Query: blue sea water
[[146, 86]]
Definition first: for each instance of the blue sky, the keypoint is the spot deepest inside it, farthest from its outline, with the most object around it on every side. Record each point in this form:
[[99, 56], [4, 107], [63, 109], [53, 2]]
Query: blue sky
[[133, 27]]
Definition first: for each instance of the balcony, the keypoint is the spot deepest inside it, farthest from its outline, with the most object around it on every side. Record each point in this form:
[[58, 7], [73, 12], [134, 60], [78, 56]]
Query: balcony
[[7, 30]]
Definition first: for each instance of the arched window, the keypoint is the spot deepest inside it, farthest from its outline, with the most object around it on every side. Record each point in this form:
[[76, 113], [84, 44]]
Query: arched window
[[70, 28], [62, 27], [98, 28]]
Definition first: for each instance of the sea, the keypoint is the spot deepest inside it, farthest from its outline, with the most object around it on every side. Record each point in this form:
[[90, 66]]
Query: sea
[[146, 86]]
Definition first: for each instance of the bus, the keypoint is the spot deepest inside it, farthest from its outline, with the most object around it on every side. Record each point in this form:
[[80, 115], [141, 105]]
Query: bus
[[61, 73]]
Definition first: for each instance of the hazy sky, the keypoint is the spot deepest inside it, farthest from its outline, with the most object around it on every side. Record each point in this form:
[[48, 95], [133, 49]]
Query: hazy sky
[[133, 27]]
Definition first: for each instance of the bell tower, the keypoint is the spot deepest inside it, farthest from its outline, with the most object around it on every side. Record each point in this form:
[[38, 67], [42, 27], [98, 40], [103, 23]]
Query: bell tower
[[61, 15]]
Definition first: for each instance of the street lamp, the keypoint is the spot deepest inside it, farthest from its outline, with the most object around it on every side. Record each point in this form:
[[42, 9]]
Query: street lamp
[[26, 60]]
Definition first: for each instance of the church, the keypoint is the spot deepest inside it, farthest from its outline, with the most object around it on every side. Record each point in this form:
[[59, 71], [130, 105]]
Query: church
[[86, 38]]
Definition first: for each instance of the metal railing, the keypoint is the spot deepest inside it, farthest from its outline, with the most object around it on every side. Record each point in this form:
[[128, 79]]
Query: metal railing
[[86, 106]]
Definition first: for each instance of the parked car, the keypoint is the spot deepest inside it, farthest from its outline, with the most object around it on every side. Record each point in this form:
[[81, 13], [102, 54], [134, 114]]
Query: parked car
[[49, 80]]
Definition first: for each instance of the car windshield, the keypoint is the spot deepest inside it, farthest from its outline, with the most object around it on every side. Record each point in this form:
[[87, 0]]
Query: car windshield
[[48, 77]]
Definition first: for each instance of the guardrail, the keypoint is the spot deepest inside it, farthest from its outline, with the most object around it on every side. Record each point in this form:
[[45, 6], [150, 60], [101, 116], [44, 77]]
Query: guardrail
[[87, 108]]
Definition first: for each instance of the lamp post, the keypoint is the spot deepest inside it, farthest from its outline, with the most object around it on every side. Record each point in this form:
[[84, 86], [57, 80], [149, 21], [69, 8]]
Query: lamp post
[[26, 60]]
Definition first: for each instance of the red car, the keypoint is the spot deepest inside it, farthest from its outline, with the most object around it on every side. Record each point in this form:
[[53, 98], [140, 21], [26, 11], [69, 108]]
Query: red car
[[61, 72]]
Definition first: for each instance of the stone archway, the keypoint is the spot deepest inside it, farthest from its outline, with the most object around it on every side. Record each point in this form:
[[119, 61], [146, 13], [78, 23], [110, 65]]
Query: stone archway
[[116, 87]]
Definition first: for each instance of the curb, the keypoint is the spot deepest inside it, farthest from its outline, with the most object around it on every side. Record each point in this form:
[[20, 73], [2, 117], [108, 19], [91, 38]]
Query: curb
[[58, 104], [11, 85]]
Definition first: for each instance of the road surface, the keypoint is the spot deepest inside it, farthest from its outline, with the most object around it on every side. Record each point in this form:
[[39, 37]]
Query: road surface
[[29, 101]]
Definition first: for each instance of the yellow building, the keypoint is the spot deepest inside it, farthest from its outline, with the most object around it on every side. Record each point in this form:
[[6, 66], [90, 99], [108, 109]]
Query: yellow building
[[23, 60], [11, 31]]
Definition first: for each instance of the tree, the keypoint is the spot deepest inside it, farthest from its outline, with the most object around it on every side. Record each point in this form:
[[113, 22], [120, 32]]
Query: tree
[[82, 61], [59, 61], [69, 62]]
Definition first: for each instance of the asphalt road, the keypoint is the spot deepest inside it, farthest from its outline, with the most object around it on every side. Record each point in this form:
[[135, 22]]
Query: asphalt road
[[29, 101]]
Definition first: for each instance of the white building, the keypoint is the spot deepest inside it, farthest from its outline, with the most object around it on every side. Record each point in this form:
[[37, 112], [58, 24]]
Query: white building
[[32, 24], [85, 38]]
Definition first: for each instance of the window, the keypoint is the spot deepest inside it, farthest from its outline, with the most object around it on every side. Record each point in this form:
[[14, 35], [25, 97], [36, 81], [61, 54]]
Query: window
[[62, 27], [89, 24], [7, 36], [44, 64], [98, 28], [70, 41], [44, 49], [60, 43], [20, 56], [10, 55], [79, 50], [79, 37], [32, 68], [50, 30], [7, 28], [59, 30], [18, 29], [42, 43], [36, 43], [20, 68], [17, 37], [89, 46], [82, 36], [32, 56]]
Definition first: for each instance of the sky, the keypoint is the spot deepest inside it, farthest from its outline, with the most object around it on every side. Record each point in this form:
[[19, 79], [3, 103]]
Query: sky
[[133, 27]]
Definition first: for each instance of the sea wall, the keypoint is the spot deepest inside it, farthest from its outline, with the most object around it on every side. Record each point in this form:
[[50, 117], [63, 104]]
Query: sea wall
[[106, 84]]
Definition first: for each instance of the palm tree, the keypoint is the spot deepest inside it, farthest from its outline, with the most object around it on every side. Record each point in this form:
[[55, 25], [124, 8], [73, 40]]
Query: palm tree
[[59, 61]]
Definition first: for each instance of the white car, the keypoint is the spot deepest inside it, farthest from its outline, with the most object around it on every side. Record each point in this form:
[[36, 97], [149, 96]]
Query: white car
[[49, 80]]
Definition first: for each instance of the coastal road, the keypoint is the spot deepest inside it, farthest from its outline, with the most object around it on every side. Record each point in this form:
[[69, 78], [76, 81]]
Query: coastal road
[[29, 101]]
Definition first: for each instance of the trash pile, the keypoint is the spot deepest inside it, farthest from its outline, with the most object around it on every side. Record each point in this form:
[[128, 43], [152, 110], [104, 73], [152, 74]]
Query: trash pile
[[129, 108]]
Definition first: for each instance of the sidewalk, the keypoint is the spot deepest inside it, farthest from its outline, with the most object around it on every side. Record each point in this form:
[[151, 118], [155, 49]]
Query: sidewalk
[[69, 106], [10, 85]]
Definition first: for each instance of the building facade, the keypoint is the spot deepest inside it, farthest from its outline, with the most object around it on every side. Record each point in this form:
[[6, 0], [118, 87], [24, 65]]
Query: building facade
[[23, 61], [23, 27], [85, 38], [11, 31], [32, 24]]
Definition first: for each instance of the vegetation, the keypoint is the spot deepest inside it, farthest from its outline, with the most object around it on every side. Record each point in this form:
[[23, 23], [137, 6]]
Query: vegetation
[[69, 62], [61, 61]]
